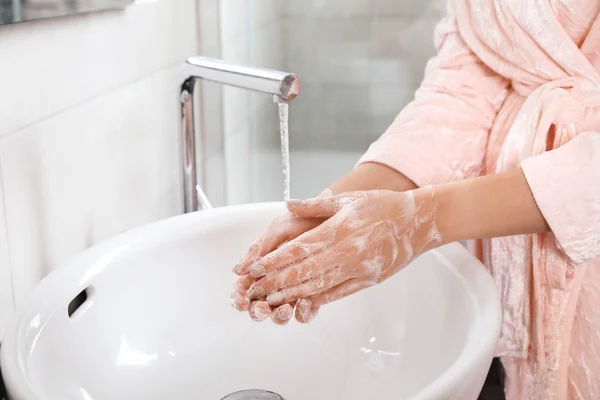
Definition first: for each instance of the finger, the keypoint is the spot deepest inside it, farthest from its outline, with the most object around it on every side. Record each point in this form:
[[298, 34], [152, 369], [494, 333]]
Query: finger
[[322, 207], [283, 314], [280, 231], [243, 283], [306, 245], [303, 271], [342, 290], [307, 309], [240, 302], [259, 310], [251, 254], [320, 283], [325, 194], [239, 296]]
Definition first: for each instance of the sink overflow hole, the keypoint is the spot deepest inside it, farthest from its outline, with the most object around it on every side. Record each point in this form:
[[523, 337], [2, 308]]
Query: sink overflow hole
[[253, 394], [77, 302]]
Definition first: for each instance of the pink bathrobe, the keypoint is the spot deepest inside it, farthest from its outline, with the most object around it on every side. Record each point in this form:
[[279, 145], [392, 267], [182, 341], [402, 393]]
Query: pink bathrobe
[[517, 83]]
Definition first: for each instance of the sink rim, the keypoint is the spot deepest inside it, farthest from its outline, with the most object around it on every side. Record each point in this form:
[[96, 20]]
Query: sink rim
[[13, 360]]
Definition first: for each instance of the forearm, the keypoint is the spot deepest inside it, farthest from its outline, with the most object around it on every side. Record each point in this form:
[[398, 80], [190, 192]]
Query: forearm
[[491, 206], [372, 176]]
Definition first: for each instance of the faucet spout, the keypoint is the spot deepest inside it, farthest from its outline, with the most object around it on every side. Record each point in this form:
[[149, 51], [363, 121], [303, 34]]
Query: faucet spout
[[283, 86]]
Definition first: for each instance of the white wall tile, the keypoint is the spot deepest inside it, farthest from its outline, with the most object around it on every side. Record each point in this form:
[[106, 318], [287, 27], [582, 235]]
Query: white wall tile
[[296, 8], [360, 63], [238, 167], [319, 31], [332, 8], [386, 99], [330, 115], [234, 100], [209, 114], [89, 173], [327, 7], [264, 11], [329, 49], [305, 114], [236, 50], [233, 17], [235, 109], [343, 7], [267, 173], [215, 182], [264, 121], [266, 47], [404, 38], [340, 100], [208, 28], [399, 72], [313, 171], [49, 66], [413, 8]]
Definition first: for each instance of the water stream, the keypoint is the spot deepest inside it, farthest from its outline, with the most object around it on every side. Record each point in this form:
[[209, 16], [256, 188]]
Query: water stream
[[284, 112]]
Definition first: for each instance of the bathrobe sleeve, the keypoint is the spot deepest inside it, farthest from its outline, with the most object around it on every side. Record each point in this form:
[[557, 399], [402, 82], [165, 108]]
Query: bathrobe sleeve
[[566, 186], [442, 134]]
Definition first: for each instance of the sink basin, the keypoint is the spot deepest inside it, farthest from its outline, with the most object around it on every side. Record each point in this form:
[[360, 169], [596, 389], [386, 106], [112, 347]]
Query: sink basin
[[146, 315]]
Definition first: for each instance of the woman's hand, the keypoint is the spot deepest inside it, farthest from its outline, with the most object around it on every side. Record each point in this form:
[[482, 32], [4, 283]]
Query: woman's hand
[[280, 231], [367, 176], [367, 237]]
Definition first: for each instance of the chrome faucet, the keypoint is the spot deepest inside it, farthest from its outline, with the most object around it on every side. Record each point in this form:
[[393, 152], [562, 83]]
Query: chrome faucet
[[283, 86]]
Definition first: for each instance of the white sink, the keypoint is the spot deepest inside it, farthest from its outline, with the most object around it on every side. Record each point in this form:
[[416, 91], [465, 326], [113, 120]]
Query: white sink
[[157, 324]]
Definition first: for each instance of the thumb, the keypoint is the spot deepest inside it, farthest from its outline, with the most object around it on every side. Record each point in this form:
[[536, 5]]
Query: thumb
[[324, 206]]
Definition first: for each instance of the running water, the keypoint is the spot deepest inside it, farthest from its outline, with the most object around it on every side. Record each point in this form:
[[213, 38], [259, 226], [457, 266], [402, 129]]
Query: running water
[[284, 111]]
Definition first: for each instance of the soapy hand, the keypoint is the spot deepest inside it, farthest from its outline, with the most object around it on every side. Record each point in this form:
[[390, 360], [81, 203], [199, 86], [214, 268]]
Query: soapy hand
[[366, 238], [282, 230]]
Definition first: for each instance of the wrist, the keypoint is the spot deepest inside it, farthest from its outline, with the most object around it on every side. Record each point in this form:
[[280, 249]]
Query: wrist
[[448, 206], [426, 229], [491, 206]]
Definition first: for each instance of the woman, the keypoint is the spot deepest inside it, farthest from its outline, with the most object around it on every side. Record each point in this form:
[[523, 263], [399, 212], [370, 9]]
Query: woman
[[502, 143]]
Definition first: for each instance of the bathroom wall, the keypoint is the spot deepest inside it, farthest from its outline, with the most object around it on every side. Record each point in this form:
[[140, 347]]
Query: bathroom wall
[[360, 62], [88, 138]]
